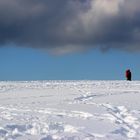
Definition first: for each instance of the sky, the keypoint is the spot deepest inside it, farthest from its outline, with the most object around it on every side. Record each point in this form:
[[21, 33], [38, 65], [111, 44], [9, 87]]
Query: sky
[[69, 40]]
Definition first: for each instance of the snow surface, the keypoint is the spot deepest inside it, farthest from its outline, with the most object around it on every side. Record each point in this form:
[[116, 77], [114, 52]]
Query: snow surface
[[70, 110]]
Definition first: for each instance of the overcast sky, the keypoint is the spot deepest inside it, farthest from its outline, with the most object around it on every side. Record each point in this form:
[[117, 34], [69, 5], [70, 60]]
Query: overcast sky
[[70, 27]]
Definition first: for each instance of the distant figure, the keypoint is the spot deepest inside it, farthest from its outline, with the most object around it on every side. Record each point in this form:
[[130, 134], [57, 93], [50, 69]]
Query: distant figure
[[128, 75]]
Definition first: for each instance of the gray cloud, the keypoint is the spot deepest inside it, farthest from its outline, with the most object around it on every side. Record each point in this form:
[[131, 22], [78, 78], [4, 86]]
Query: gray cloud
[[63, 26]]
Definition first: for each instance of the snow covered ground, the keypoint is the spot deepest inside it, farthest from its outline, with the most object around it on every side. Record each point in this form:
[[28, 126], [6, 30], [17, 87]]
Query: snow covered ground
[[70, 110]]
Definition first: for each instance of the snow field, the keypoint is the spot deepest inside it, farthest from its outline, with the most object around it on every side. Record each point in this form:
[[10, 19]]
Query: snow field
[[70, 110]]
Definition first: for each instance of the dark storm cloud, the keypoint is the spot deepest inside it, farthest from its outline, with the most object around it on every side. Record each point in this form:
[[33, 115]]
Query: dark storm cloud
[[63, 26]]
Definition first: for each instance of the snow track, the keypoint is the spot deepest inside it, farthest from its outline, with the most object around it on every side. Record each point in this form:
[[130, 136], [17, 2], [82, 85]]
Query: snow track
[[129, 125], [70, 110]]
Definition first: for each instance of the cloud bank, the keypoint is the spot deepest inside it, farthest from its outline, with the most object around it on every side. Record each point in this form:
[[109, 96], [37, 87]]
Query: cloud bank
[[65, 26]]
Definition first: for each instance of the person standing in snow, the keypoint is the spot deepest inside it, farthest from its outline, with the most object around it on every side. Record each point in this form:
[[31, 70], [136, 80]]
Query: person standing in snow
[[128, 75]]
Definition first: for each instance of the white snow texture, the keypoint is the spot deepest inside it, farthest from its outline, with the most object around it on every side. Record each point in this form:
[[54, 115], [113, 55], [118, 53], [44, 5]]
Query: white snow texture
[[70, 110]]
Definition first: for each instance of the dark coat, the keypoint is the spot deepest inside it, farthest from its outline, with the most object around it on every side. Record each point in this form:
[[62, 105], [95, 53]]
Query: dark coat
[[128, 75]]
